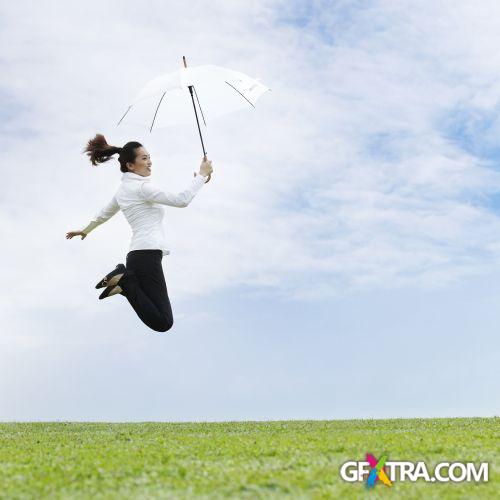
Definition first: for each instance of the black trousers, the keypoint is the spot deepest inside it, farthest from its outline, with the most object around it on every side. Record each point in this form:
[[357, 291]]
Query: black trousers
[[144, 287]]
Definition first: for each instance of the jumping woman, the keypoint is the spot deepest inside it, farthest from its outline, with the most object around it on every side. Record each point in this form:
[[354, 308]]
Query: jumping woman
[[141, 280]]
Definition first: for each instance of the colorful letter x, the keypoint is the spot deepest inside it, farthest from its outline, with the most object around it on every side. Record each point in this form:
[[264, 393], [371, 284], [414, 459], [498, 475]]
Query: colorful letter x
[[377, 472]]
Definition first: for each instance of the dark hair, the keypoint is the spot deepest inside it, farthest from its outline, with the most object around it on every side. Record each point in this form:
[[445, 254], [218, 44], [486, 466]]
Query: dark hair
[[100, 151]]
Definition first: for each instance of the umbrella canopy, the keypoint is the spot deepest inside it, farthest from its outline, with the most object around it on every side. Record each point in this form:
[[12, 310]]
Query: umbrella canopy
[[167, 100]]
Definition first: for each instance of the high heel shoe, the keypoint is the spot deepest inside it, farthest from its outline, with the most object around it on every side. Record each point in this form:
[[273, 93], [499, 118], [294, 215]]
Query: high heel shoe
[[113, 277], [110, 290]]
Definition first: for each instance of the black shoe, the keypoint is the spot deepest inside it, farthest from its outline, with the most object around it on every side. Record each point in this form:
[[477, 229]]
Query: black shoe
[[110, 290], [113, 277]]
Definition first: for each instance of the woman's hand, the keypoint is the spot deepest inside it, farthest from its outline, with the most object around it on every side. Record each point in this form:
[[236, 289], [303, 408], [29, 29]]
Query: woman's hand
[[70, 234], [206, 168]]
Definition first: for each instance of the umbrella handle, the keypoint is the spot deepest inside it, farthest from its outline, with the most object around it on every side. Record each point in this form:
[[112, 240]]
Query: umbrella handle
[[208, 178]]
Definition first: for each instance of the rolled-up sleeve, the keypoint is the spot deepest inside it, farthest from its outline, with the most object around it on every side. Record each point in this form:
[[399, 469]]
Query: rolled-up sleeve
[[154, 194], [103, 215]]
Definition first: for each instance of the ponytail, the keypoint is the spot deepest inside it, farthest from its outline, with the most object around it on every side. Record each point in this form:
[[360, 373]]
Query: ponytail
[[99, 151]]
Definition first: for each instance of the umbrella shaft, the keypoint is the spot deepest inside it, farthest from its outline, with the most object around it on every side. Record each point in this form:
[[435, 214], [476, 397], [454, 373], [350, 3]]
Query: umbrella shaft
[[197, 121]]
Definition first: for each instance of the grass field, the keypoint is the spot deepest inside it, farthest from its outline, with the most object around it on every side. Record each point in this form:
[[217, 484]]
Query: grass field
[[294, 459]]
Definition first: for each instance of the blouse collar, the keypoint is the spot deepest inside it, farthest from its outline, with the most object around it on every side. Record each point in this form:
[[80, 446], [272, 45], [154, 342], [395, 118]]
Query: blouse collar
[[131, 175]]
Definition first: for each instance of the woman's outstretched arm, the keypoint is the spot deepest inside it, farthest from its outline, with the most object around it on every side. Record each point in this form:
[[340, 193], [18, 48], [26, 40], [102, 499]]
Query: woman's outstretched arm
[[102, 216], [154, 194]]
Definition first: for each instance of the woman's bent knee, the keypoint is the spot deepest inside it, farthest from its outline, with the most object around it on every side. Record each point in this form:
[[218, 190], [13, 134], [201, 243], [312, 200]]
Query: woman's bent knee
[[165, 325]]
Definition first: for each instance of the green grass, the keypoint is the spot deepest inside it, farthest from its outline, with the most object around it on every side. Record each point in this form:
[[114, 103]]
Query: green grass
[[295, 459]]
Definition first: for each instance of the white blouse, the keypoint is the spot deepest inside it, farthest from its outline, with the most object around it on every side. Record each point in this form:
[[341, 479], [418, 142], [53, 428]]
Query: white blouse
[[141, 203]]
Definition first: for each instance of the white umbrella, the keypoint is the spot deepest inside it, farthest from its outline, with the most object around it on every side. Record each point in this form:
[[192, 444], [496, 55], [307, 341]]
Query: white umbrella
[[170, 99]]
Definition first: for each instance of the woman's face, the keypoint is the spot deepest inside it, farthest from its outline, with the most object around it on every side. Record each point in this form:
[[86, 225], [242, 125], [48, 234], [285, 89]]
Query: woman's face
[[142, 164]]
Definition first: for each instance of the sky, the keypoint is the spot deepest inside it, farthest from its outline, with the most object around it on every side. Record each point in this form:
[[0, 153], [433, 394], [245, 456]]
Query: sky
[[344, 260]]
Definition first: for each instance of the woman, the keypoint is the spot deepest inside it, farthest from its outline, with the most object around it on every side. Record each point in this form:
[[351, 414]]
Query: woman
[[141, 281]]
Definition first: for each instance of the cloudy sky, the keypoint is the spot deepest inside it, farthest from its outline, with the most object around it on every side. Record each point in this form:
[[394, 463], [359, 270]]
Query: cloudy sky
[[344, 261]]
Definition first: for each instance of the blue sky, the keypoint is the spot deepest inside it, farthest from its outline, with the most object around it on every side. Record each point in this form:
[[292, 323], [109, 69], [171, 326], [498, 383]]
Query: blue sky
[[342, 263]]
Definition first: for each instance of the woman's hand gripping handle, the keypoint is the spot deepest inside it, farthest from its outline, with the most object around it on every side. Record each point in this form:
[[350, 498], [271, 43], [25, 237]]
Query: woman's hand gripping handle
[[206, 169]]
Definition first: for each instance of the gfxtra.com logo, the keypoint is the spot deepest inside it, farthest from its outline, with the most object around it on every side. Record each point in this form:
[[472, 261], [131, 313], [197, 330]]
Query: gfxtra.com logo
[[386, 472]]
